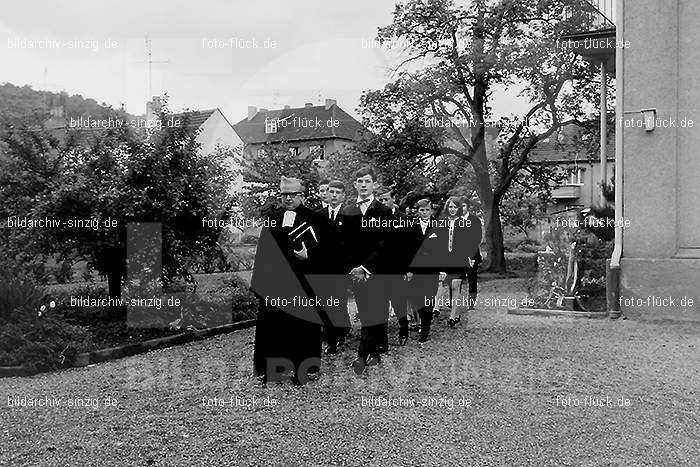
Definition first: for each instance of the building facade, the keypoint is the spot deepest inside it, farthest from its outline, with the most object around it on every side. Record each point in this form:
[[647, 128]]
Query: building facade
[[658, 98], [573, 153], [318, 131]]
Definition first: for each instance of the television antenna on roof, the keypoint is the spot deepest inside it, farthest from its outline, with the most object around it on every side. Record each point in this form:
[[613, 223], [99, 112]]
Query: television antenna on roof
[[150, 63]]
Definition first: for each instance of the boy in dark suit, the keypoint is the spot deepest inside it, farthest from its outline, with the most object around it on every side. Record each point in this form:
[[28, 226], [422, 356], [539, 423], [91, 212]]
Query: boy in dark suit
[[335, 281], [422, 243], [396, 285], [323, 193], [365, 238]]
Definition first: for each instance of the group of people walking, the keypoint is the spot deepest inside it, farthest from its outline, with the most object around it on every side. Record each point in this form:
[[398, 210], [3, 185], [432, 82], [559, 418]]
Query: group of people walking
[[308, 260]]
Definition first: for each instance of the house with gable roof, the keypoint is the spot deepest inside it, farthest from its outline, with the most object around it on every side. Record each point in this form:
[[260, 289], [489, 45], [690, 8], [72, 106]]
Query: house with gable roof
[[317, 130]]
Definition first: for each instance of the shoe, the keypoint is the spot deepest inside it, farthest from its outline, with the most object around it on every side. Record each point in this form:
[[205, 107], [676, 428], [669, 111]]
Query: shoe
[[413, 327], [423, 338], [436, 312], [403, 337], [331, 350], [452, 321], [358, 365], [374, 360]]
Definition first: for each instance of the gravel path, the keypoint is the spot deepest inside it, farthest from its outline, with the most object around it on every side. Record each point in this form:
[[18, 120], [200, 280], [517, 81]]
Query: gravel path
[[494, 381]]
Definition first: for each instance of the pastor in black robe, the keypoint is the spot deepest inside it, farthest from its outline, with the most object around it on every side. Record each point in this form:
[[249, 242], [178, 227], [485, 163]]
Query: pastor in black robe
[[288, 330]]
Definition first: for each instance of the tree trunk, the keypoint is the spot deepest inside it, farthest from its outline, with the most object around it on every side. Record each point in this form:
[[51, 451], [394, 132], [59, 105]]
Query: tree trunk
[[496, 261]]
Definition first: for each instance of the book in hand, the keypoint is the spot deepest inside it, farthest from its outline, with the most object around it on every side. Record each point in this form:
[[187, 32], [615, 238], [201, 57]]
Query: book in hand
[[303, 236]]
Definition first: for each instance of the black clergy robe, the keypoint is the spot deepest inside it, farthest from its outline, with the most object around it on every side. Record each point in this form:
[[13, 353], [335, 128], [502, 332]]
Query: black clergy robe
[[288, 329]]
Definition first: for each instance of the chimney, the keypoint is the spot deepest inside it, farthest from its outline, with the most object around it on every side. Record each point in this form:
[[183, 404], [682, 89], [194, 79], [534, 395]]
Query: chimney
[[308, 104], [252, 111], [263, 111], [330, 103]]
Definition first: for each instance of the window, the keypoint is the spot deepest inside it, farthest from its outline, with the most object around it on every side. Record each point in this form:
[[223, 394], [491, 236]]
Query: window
[[270, 125], [317, 152], [294, 151], [576, 176]]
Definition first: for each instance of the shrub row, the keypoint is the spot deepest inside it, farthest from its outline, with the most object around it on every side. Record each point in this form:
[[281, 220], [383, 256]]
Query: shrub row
[[46, 339]]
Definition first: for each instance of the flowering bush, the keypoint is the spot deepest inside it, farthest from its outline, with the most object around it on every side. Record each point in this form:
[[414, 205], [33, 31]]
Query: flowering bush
[[45, 344], [39, 340], [31, 334]]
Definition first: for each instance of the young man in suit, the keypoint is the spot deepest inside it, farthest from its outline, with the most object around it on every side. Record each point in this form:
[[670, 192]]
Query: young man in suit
[[396, 285], [422, 243], [365, 239], [335, 281], [323, 193]]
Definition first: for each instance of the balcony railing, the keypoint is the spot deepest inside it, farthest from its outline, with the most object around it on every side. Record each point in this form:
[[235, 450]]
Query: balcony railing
[[566, 192], [590, 15]]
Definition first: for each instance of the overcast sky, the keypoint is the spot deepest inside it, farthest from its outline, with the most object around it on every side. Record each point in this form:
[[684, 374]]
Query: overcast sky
[[321, 50]]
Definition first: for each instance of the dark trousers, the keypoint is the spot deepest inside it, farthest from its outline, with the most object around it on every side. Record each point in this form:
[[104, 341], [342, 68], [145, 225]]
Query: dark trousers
[[422, 296], [397, 290], [335, 303], [472, 278], [372, 306]]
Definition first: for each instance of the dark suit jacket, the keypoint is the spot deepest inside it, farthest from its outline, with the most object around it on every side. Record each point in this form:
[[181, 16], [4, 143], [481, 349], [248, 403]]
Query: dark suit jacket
[[366, 245], [336, 259], [420, 253], [398, 236]]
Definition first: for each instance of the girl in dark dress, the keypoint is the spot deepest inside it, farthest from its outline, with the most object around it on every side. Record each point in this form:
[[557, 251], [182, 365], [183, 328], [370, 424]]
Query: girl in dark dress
[[459, 242]]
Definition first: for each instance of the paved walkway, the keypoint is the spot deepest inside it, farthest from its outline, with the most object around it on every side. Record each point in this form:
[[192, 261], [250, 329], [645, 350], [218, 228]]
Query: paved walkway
[[502, 390]]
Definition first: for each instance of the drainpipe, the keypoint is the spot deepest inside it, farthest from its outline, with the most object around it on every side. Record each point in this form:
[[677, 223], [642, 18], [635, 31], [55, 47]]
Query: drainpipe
[[613, 270], [603, 131]]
